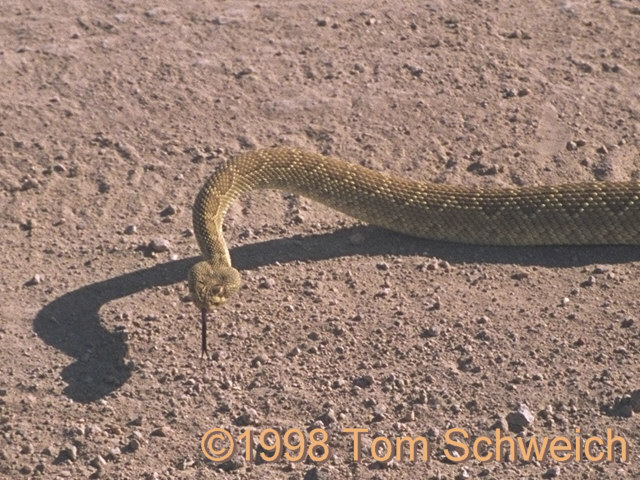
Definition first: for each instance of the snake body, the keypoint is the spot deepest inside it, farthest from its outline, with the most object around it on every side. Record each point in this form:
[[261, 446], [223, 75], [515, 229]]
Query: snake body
[[569, 214]]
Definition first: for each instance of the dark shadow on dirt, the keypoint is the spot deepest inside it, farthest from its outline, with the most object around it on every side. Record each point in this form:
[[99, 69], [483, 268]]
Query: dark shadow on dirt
[[72, 324]]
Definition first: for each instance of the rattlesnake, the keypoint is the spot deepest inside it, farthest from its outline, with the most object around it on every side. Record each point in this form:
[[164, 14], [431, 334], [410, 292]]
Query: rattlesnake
[[569, 214]]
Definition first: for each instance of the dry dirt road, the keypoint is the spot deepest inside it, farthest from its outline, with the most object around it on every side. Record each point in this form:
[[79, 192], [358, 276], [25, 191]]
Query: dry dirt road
[[113, 113]]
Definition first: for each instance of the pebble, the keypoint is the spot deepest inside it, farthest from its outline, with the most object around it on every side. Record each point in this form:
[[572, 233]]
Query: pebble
[[364, 381], [232, 464], [571, 146], [627, 323], [130, 229], [267, 283], [463, 475], [382, 266], [519, 275], [520, 418], [26, 470], [294, 351], [259, 360], [316, 474], [589, 282], [431, 332], [28, 448], [163, 431], [159, 245], [248, 417], [240, 74], [321, 22], [552, 472], [28, 184], [599, 269], [328, 417], [49, 450], [71, 452], [414, 70], [98, 462], [134, 444], [168, 210], [35, 280]]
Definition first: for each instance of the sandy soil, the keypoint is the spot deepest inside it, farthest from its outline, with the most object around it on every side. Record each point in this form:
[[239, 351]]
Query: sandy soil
[[110, 112]]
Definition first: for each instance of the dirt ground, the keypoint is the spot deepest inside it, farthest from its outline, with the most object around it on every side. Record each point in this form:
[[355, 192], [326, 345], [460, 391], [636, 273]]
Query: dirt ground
[[114, 113]]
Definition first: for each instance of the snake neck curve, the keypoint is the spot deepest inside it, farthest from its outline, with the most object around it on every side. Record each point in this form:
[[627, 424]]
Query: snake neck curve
[[569, 214]]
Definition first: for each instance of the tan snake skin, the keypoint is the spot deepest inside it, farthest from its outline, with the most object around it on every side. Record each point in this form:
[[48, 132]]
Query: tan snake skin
[[573, 214]]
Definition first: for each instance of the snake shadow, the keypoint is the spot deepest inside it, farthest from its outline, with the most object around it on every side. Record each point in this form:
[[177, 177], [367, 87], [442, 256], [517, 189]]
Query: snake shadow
[[71, 323]]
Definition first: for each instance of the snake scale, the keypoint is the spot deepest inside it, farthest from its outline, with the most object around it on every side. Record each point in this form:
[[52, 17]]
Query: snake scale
[[569, 214]]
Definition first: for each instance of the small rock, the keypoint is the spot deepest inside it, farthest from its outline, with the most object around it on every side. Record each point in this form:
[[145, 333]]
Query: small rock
[[259, 360], [520, 418], [602, 150], [328, 417], [159, 245], [28, 183], [519, 275], [316, 474], [414, 70], [163, 431], [382, 266], [552, 472], [130, 229], [431, 332], [232, 464], [463, 475], [241, 73], [98, 462], [571, 146], [248, 417], [26, 470], [28, 448], [134, 445], [584, 67], [50, 451], [70, 452], [364, 381], [589, 282], [321, 22], [115, 452], [35, 280], [523, 92], [627, 323], [294, 351], [267, 283], [168, 210]]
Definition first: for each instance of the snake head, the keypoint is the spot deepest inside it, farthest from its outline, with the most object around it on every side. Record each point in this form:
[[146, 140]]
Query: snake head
[[212, 285]]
